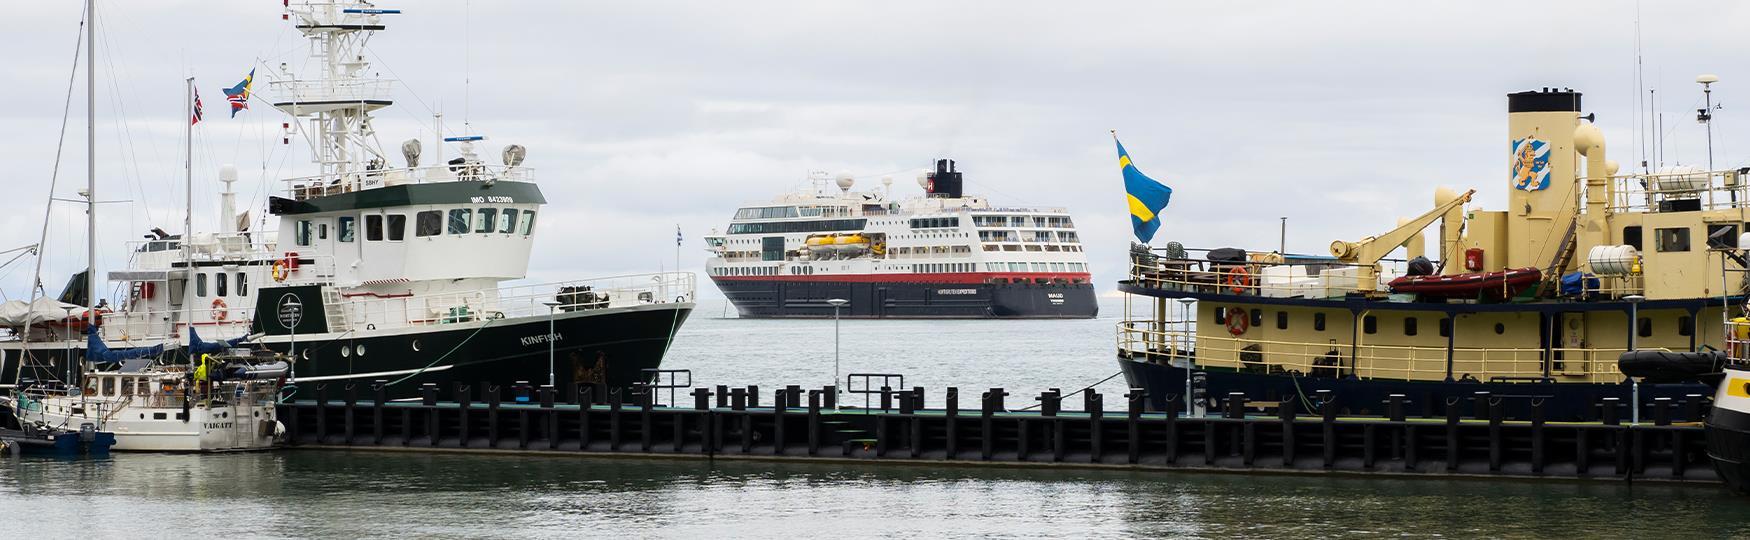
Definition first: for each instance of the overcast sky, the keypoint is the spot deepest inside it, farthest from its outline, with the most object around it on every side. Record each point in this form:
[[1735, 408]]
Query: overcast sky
[[643, 115]]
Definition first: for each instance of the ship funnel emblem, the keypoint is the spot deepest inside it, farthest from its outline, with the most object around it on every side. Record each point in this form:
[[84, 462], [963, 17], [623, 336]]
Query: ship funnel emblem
[[1530, 171]]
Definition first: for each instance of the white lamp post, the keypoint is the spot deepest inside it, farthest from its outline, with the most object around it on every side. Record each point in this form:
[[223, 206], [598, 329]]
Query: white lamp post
[[552, 337], [1185, 315], [1634, 330], [836, 304]]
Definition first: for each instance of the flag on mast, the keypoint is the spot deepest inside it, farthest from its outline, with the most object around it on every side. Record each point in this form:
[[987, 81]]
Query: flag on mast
[[196, 117], [239, 94], [1147, 197], [677, 235]]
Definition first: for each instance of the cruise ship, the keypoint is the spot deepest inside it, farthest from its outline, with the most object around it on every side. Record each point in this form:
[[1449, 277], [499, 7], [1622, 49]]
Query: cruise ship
[[866, 254]]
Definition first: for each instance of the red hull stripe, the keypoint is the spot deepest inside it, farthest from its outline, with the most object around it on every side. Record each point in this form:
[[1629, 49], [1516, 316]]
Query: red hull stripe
[[958, 277]]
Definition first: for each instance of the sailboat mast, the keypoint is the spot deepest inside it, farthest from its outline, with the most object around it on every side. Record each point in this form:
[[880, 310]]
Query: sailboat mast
[[90, 167], [188, 210]]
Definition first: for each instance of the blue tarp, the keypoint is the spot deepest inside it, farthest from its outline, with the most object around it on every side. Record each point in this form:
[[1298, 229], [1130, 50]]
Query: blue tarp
[[1577, 283], [97, 352], [197, 347]]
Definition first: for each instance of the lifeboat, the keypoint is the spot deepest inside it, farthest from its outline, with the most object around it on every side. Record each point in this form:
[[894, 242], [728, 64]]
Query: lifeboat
[[1502, 284]]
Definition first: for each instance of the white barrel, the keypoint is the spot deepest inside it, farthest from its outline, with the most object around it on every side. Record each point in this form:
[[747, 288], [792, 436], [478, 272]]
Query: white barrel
[[1612, 260], [1680, 179]]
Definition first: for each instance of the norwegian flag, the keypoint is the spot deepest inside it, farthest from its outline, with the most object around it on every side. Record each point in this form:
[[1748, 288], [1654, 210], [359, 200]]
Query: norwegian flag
[[196, 118]]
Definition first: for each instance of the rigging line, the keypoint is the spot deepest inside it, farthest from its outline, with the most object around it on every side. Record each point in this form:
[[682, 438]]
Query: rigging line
[[445, 355], [125, 129], [54, 179]]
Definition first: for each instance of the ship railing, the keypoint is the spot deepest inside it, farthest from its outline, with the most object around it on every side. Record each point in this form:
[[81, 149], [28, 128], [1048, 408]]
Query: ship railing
[[1334, 359], [331, 90], [1737, 339], [369, 311], [1616, 287], [1255, 277], [324, 185], [213, 247], [1681, 191]]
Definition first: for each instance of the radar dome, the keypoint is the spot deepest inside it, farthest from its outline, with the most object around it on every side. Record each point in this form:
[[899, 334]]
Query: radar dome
[[1587, 138], [924, 180], [845, 181]]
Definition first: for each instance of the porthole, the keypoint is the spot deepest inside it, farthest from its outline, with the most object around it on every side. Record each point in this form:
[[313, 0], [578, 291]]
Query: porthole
[[345, 352], [415, 345], [1500, 328], [360, 349]]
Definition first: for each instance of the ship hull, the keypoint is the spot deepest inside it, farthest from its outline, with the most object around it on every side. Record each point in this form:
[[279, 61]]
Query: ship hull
[[1561, 402], [607, 348], [768, 298], [1728, 430]]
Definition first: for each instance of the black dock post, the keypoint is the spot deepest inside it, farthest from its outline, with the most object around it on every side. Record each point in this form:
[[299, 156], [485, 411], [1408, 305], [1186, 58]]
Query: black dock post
[[794, 394], [462, 398], [1095, 405], [722, 396], [1693, 407], [646, 425], [780, 399], [321, 413], [1329, 425], [547, 394], [1285, 411], [951, 409], [814, 422], [379, 396], [433, 427], [615, 403], [886, 398], [493, 395], [753, 396], [1661, 411], [1494, 437], [1537, 437], [831, 394], [585, 406], [1452, 414], [917, 398], [993, 401], [1173, 432], [351, 405], [428, 394]]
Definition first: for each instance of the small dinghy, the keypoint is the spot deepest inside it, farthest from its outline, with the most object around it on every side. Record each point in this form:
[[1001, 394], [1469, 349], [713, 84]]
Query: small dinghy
[[1502, 284]]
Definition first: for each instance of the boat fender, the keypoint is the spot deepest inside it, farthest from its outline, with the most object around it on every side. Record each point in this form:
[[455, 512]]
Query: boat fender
[[1238, 279], [279, 429], [1238, 321]]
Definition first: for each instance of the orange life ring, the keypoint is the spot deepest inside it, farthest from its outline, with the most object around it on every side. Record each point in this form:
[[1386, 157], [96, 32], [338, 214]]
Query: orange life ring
[[279, 271], [221, 311], [1238, 279], [1238, 320]]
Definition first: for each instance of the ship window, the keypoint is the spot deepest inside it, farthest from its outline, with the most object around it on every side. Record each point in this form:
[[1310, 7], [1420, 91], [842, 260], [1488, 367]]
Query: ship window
[[1446, 327], [1722, 236], [397, 227], [1645, 328], [1370, 324], [528, 222], [1220, 315], [321, 231], [428, 223], [242, 284], [158, 416], [347, 226], [219, 284], [1281, 320], [1257, 318], [374, 227], [109, 386], [200, 285], [507, 221], [1500, 329], [302, 233], [484, 218], [459, 220], [1671, 239], [1409, 326], [1685, 326], [1319, 322], [1632, 236]]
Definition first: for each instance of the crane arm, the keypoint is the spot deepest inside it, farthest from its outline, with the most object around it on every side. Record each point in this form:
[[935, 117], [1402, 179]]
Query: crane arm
[[1370, 250]]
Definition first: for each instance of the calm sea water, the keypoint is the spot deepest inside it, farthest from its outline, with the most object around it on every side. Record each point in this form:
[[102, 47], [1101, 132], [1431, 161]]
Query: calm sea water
[[327, 494]]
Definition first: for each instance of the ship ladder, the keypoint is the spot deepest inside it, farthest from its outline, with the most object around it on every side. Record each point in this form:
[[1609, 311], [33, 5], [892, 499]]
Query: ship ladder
[[334, 306], [1552, 275]]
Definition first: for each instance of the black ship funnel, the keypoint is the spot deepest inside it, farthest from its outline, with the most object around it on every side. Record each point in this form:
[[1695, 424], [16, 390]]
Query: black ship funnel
[[945, 182]]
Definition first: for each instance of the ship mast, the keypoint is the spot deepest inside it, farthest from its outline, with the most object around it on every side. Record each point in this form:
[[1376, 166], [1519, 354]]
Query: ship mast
[[90, 169], [338, 103]]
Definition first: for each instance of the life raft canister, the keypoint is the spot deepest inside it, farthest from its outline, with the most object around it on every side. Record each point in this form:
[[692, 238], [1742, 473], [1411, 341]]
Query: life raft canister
[[1238, 320], [1237, 279]]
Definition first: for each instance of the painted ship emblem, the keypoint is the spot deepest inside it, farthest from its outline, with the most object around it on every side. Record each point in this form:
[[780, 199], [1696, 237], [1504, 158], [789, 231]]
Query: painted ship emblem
[[1530, 164]]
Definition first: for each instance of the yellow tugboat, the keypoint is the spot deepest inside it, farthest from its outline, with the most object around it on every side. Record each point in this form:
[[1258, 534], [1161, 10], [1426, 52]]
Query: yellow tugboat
[[1533, 302]]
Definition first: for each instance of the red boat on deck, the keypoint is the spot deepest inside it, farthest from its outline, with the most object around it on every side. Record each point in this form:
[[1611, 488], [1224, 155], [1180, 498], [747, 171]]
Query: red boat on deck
[[1497, 285]]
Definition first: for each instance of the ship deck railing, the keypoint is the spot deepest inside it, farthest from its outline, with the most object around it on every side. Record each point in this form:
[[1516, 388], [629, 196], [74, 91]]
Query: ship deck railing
[[324, 185], [1681, 191], [1737, 339], [1296, 277], [361, 311], [1151, 340]]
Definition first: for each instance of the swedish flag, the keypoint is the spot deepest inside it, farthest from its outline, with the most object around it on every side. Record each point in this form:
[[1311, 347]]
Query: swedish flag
[[1147, 197]]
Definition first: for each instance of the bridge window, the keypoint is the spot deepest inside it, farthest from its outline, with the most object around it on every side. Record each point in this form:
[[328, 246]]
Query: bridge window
[[1446, 327], [1645, 327], [1409, 326], [1671, 239], [484, 219], [1281, 320], [460, 219], [200, 285], [1685, 325], [428, 223], [507, 221], [397, 227], [242, 284], [528, 222], [1370, 324], [321, 231], [348, 225], [374, 228], [1220, 315], [219, 287], [301, 233], [1257, 318]]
